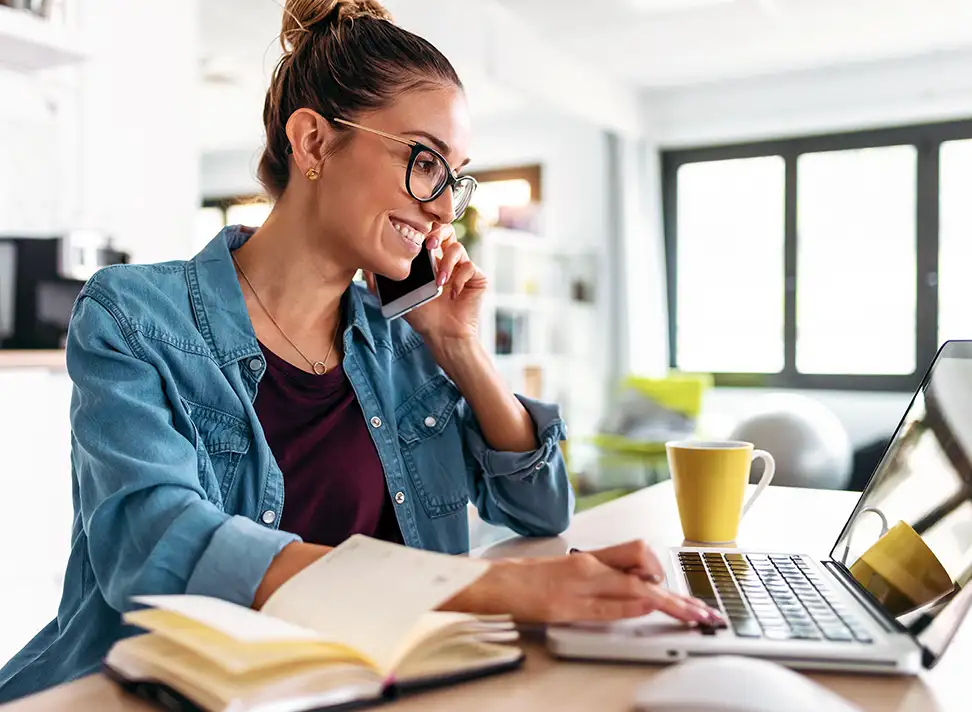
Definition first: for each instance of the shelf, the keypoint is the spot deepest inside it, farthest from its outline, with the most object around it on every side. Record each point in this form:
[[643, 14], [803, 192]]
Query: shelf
[[519, 239], [522, 302], [528, 359], [29, 43]]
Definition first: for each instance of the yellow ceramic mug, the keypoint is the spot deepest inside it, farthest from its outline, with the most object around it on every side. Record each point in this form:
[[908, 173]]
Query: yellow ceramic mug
[[710, 481], [901, 572]]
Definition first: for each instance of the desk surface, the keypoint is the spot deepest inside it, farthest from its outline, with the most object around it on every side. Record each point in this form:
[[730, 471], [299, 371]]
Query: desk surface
[[785, 519]]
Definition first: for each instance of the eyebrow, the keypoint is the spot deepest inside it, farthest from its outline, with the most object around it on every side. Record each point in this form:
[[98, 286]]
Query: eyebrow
[[437, 143]]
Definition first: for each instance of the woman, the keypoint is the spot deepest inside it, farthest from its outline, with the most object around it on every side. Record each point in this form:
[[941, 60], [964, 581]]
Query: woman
[[209, 392]]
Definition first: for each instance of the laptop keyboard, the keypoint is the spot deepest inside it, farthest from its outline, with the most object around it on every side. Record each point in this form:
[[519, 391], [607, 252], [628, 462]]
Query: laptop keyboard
[[770, 597]]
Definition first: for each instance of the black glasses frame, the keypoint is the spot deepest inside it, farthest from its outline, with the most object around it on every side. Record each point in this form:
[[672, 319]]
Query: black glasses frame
[[451, 180]]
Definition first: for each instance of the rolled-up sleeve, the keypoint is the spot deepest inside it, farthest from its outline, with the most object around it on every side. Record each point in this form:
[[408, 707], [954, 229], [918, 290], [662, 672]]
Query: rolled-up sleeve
[[529, 492], [149, 527]]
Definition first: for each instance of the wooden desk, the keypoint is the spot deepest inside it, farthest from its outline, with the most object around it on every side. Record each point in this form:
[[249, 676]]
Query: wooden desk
[[785, 519]]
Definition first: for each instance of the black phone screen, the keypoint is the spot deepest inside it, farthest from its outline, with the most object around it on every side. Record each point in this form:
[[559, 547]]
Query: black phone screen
[[420, 275]]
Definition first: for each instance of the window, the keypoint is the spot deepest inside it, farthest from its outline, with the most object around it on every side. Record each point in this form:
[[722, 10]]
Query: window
[[215, 214], [955, 242], [856, 258], [820, 262], [730, 265]]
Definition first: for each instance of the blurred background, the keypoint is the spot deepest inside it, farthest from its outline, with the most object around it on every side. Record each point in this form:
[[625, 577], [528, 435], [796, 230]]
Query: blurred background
[[718, 218]]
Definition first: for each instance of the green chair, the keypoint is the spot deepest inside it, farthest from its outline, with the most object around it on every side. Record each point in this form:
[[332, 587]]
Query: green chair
[[644, 460]]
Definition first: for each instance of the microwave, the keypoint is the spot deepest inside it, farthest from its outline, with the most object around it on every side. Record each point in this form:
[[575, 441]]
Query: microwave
[[40, 278]]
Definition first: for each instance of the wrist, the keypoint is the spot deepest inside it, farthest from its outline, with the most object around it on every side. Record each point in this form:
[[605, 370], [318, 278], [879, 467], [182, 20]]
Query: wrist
[[486, 595], [454, 350]]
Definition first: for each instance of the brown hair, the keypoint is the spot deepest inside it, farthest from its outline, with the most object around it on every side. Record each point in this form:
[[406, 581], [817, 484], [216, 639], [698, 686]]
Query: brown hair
[[341, 57]]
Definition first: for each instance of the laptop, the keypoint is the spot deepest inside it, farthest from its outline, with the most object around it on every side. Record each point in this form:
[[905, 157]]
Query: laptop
[[889, 598]]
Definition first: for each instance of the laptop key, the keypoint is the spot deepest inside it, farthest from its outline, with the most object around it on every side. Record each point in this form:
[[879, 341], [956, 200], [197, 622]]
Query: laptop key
[[747, 629], [837, 634]]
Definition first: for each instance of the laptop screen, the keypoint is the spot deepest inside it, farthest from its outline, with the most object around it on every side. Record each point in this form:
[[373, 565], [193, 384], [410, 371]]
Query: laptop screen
[[909, 541]]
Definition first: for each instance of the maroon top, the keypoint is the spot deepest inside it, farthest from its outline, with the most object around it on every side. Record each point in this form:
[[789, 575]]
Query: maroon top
[[334, 484]]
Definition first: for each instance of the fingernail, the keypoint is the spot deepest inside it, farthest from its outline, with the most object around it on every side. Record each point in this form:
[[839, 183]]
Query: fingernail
[[656, 578], [440, 279], [454, 294], [433, 243]]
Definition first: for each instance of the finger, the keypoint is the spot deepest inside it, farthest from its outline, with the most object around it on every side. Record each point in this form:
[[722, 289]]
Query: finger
[[441, 237], [452, 255], [683, 608], [616, 585], [608, 609], [461, 276], [634, 557]]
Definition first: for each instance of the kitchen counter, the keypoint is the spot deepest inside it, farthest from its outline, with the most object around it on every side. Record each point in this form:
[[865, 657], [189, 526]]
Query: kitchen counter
[[51, 359]]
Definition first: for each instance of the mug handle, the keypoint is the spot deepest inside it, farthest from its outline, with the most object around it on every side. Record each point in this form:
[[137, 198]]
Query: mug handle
[[764, 481]]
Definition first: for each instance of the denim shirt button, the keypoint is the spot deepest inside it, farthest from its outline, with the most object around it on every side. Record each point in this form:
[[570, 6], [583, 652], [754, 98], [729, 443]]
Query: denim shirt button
[[255, 364], [376, 422], [430, 422], [539, 465], [400, 497], [269, 516]]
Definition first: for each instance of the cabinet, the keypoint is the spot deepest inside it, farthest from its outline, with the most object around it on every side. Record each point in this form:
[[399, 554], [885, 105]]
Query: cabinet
[[35, 485], [29, 43]]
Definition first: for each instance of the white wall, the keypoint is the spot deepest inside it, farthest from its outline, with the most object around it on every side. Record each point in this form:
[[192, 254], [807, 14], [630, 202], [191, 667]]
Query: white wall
[[138, 127], [38, 159], [844, 98], [228, 173]]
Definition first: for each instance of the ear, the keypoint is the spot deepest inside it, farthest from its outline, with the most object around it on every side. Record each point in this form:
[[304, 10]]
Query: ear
[[309, 135]]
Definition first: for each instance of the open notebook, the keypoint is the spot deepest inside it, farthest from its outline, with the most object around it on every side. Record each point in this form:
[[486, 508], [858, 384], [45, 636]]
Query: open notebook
[[356, 627]]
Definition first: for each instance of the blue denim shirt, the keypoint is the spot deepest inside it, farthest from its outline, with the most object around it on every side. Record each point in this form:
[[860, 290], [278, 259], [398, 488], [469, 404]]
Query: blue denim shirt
[[175, 488]]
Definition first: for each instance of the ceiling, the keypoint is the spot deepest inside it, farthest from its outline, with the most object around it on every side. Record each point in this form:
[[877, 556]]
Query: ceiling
[[666, 43], [662, 43], [627, 44]]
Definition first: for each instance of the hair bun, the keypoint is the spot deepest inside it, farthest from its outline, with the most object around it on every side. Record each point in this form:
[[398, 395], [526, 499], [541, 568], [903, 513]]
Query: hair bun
[[300, 16]]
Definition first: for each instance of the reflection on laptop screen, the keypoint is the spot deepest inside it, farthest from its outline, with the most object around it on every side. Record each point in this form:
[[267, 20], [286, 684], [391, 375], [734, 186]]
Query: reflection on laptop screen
[[909, 542]]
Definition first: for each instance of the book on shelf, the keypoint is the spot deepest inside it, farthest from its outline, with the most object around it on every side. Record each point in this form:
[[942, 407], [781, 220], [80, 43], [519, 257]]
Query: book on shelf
[[355, 628]]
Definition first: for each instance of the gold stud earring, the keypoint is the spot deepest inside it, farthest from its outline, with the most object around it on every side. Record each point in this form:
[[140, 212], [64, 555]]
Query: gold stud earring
[[312, 174]]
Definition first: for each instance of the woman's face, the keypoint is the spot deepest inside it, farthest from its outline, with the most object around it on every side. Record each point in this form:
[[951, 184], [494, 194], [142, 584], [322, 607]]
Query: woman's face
[[370, 220]]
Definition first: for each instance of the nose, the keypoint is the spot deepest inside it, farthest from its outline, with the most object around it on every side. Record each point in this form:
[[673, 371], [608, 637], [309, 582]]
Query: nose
[[443, 208]]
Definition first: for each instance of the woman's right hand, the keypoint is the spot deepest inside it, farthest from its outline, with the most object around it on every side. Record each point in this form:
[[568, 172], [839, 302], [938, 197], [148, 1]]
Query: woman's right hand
[[603, 585]]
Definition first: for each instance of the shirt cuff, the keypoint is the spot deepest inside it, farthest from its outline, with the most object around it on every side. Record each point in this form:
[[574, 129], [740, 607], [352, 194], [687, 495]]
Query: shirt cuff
[[550, 430], [236, 560]]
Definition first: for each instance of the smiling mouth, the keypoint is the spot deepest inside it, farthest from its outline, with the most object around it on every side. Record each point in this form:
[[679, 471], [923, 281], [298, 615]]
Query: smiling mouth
[[410, 234]]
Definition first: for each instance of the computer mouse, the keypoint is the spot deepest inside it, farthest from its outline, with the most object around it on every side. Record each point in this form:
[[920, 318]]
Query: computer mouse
[[728, 683]]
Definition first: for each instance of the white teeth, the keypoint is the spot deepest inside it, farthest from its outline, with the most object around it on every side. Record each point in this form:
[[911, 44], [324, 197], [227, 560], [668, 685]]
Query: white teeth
[[408, 233]]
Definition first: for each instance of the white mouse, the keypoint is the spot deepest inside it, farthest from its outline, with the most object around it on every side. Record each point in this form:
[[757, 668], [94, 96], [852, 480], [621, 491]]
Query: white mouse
[[729, 683]]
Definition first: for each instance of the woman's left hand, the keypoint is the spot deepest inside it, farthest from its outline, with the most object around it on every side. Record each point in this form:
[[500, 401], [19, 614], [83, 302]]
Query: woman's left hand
[[455, 314]]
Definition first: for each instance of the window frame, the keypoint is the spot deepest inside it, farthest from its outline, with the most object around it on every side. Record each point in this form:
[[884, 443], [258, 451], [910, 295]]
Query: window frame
[[927, 139]]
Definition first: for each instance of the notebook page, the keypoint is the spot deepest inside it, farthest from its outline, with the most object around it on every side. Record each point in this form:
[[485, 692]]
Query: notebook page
[[369, 594], [230, 654], [243, 624]]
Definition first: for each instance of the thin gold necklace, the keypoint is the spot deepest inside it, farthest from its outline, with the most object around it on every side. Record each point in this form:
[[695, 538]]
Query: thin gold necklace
[[319, 367]]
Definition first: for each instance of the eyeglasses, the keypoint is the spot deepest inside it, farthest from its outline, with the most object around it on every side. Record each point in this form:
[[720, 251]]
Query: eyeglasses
[[428, 173]]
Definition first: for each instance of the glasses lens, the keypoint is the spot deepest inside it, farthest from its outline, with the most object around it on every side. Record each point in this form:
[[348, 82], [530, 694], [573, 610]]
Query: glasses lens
[[462, 195], [428, 175]]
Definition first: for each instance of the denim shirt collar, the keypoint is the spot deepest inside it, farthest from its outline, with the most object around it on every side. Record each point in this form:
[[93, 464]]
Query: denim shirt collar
[[220, 308]]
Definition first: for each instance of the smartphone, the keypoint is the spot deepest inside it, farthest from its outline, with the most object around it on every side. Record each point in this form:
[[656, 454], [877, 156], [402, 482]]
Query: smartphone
[[399, 298]]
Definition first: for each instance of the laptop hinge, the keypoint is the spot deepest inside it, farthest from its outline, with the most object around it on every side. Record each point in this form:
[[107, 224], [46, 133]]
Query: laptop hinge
[[850, 584]]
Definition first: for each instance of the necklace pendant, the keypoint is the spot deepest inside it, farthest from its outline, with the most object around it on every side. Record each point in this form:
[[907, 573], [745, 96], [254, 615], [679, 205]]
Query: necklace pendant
[[320, 368]]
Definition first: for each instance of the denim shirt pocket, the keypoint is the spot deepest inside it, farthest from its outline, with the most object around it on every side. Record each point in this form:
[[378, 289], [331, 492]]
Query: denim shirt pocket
[[221, 441], [431, 446]]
